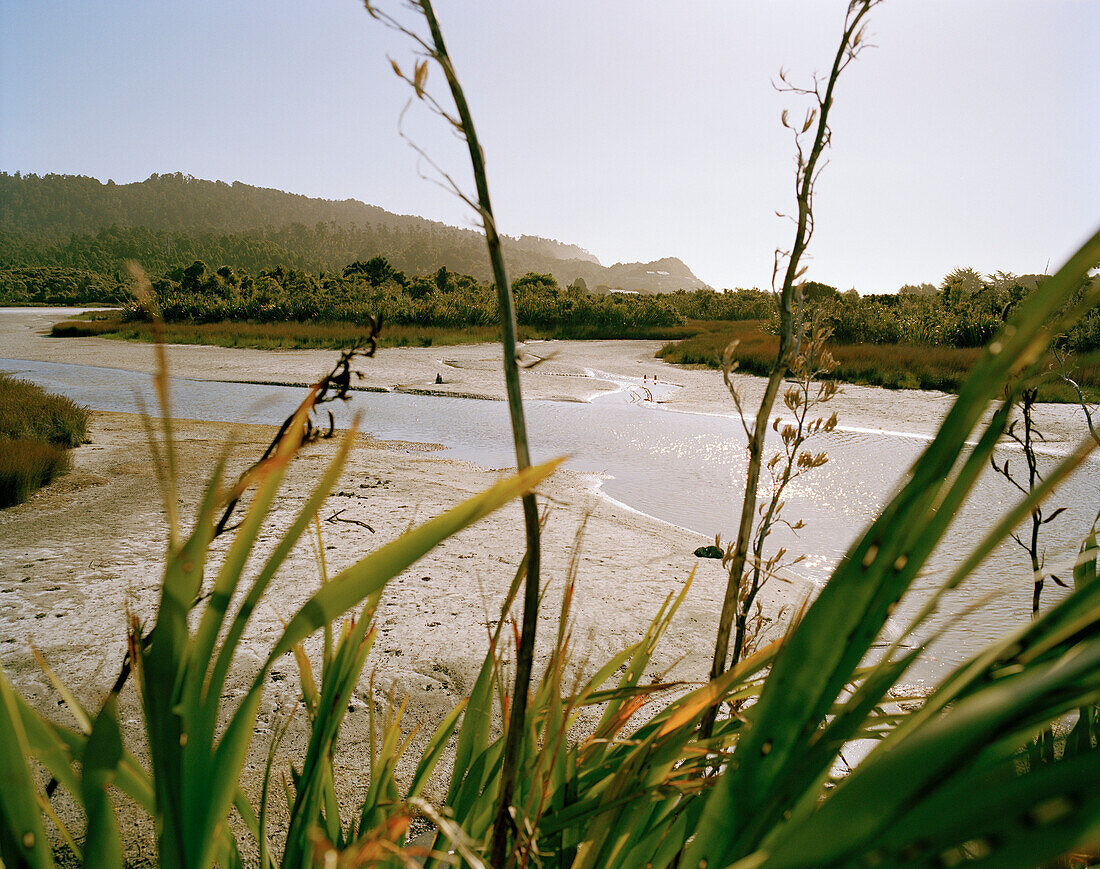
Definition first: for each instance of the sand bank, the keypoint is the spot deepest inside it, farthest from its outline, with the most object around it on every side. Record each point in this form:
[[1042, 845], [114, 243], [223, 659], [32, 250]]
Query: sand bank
[[80, 554], [565, 371]]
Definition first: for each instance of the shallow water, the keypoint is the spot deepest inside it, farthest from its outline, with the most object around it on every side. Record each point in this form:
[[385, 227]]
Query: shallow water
[[683, 468]]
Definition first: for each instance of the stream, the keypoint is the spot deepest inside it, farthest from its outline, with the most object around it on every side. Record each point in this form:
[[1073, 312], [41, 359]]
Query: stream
[[683, 468]]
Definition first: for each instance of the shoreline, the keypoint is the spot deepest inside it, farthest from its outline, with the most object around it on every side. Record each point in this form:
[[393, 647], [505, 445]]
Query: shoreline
[[569, 371], [82, 553]]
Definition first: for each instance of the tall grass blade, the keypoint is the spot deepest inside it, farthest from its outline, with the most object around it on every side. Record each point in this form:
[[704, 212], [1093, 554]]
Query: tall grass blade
[[23, 839], [102, 755]]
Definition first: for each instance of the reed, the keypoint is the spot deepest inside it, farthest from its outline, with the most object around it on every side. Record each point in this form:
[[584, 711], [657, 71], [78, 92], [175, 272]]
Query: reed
[[26, 466], [895, 366]]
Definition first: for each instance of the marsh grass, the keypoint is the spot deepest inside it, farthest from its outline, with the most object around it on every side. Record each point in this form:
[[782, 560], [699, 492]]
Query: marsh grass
[[331, 336], [895, 366], [26, 466], [36, 431], [28, 411]]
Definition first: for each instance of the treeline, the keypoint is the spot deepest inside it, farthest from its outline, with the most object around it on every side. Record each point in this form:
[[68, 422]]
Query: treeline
[[966, 311], [60, 286], [376, 288], [324, 247]]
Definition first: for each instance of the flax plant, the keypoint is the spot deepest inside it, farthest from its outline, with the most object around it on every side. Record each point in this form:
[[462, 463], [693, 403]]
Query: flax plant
[[803, 398], [642, 787], [434, 49], [808, 167]]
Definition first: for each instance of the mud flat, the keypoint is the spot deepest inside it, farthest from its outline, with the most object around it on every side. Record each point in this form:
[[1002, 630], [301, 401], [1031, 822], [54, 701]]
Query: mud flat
[[81, 554]]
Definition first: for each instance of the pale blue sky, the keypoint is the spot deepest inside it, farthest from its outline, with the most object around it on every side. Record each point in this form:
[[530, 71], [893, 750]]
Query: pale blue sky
[[635, 129]]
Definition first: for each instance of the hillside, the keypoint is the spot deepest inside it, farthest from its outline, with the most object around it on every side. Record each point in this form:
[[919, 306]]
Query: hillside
[[173, 220]]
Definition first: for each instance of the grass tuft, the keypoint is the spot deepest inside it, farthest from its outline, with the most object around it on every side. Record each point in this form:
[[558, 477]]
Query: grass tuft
[[895, 366], [36, 430], [26, 466]]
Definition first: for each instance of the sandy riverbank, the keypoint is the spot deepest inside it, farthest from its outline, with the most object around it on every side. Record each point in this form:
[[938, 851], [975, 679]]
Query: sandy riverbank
[[80, 553], [568, 371]]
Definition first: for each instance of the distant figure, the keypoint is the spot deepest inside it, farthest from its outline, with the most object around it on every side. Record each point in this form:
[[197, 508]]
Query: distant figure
[[439, 378]]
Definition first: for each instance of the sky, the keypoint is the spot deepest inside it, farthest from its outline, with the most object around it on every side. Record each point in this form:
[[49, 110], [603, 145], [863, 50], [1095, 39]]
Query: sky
[[966, 136]]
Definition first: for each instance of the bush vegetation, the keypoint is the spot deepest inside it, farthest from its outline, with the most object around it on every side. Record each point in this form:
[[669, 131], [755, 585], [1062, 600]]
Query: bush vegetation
[[895, 366], [36, 431]]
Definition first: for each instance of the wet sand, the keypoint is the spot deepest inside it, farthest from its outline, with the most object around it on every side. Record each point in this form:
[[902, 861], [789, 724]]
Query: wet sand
[[81, 553]]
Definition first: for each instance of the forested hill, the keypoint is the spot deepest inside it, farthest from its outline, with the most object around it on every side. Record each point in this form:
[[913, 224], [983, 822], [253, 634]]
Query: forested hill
[[172, 220]]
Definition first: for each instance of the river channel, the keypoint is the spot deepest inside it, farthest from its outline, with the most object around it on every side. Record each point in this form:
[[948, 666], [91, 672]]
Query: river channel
[[683, 468]]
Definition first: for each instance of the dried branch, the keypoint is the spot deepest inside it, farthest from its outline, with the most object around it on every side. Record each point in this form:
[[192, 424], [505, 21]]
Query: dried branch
[[336, 517], [333, 386]]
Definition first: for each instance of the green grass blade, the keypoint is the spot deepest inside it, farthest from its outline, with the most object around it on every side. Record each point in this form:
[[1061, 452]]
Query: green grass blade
[[274, 561], [315, 780], [52, 745], [23, 839], [1016, 820], [102, 755], [898, 774], [434, 749], [1084, 572], [201, 715]]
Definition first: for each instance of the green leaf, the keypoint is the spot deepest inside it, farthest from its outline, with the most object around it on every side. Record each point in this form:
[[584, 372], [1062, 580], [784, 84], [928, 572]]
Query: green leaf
[[900, 773], [434, 749], [1084, 572], [23, 839], [102, 755]]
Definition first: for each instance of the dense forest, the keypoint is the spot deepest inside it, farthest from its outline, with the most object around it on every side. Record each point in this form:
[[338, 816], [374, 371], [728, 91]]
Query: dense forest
[[170, 221]]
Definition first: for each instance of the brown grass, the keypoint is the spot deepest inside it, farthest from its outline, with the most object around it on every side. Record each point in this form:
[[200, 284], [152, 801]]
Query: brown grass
[[36, 431], [29, 412], [895, 366], [26, 466], [330, 336], [277, 336]]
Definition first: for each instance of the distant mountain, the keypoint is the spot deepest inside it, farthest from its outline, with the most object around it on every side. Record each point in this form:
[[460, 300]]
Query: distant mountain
[[171, 220]]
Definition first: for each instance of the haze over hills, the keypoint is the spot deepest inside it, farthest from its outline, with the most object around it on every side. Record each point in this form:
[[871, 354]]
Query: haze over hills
[[172, 220]]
